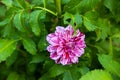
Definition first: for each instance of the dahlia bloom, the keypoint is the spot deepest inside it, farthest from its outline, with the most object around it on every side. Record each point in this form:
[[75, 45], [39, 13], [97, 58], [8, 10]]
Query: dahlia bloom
[[65, 45]]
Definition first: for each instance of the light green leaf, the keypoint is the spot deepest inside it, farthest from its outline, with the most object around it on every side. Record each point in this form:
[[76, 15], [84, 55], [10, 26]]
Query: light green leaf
[[89, 20], [109, 64], [18, 22], [97, 75], [6, 48], [72, 19], [81, 5], [29, 45], [67, 76], [8, 3], [77, 19], [21, 4], [34, 21], [103, 30]]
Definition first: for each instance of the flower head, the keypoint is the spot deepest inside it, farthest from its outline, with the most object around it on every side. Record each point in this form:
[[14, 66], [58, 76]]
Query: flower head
[[65, 45]]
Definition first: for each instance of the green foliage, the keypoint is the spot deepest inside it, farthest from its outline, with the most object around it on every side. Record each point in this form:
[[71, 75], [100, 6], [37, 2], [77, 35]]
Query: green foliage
[[29, 45], [97, 75], [109, 64], [24, 25], [6, 48]]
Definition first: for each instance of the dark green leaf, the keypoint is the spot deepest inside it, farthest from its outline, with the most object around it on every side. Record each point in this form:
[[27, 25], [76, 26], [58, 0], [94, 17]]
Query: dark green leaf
[[42, 45], [113, 5], [67, 76], [13, 76], [29, 45], [37, 59], [18, 22], [97, 75], [7, 30], [4, 22], [56, 70], [10, 60], [6, 48], [109, 64]]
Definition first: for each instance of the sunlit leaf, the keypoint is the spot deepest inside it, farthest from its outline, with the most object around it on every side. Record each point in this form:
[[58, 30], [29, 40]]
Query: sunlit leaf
[[109, 64], [6, 48], [89, 20], [96, 75], [8, 3]]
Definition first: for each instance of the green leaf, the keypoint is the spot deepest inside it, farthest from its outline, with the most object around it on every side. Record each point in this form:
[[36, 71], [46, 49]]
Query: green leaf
[[81, 5], [67, 76], [72, 19], [78, 19], [29, 45], [97, 75], [8, 3], [4, 22], [13, 76], [34, 21], [18, 22], [7, 30], [89, 20], [10, 60], [6, 48], [109, 64], [103, 30], [37, 59], [21, 4], [42, 44], [113, 5], [56, 70]]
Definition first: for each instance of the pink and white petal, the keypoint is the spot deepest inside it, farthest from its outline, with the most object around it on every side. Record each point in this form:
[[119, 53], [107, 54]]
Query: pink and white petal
[[74, 59], [54, 41], [49, 36], [60, 51], [63, 61], [59, 29], [78, 51], [51, 48], [54, 56]]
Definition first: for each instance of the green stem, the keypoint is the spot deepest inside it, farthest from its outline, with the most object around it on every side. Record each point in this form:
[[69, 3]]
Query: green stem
[[111, 47], [55, 14], [58, 4], [44, 2]]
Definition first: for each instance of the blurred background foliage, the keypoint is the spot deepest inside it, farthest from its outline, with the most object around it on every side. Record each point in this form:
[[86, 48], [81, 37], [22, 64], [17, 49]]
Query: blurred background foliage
[[24, 25]]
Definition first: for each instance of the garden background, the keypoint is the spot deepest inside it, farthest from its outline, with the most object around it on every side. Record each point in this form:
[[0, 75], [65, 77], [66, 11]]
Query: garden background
[[24, 25]]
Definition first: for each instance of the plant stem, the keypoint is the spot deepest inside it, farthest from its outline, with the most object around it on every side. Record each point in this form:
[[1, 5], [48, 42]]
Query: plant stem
[[110, 48], [58, 4], [55, 14]]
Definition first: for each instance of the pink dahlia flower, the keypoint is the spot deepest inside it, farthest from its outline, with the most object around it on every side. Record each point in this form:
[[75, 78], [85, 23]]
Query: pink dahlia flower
[[65, 45]]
